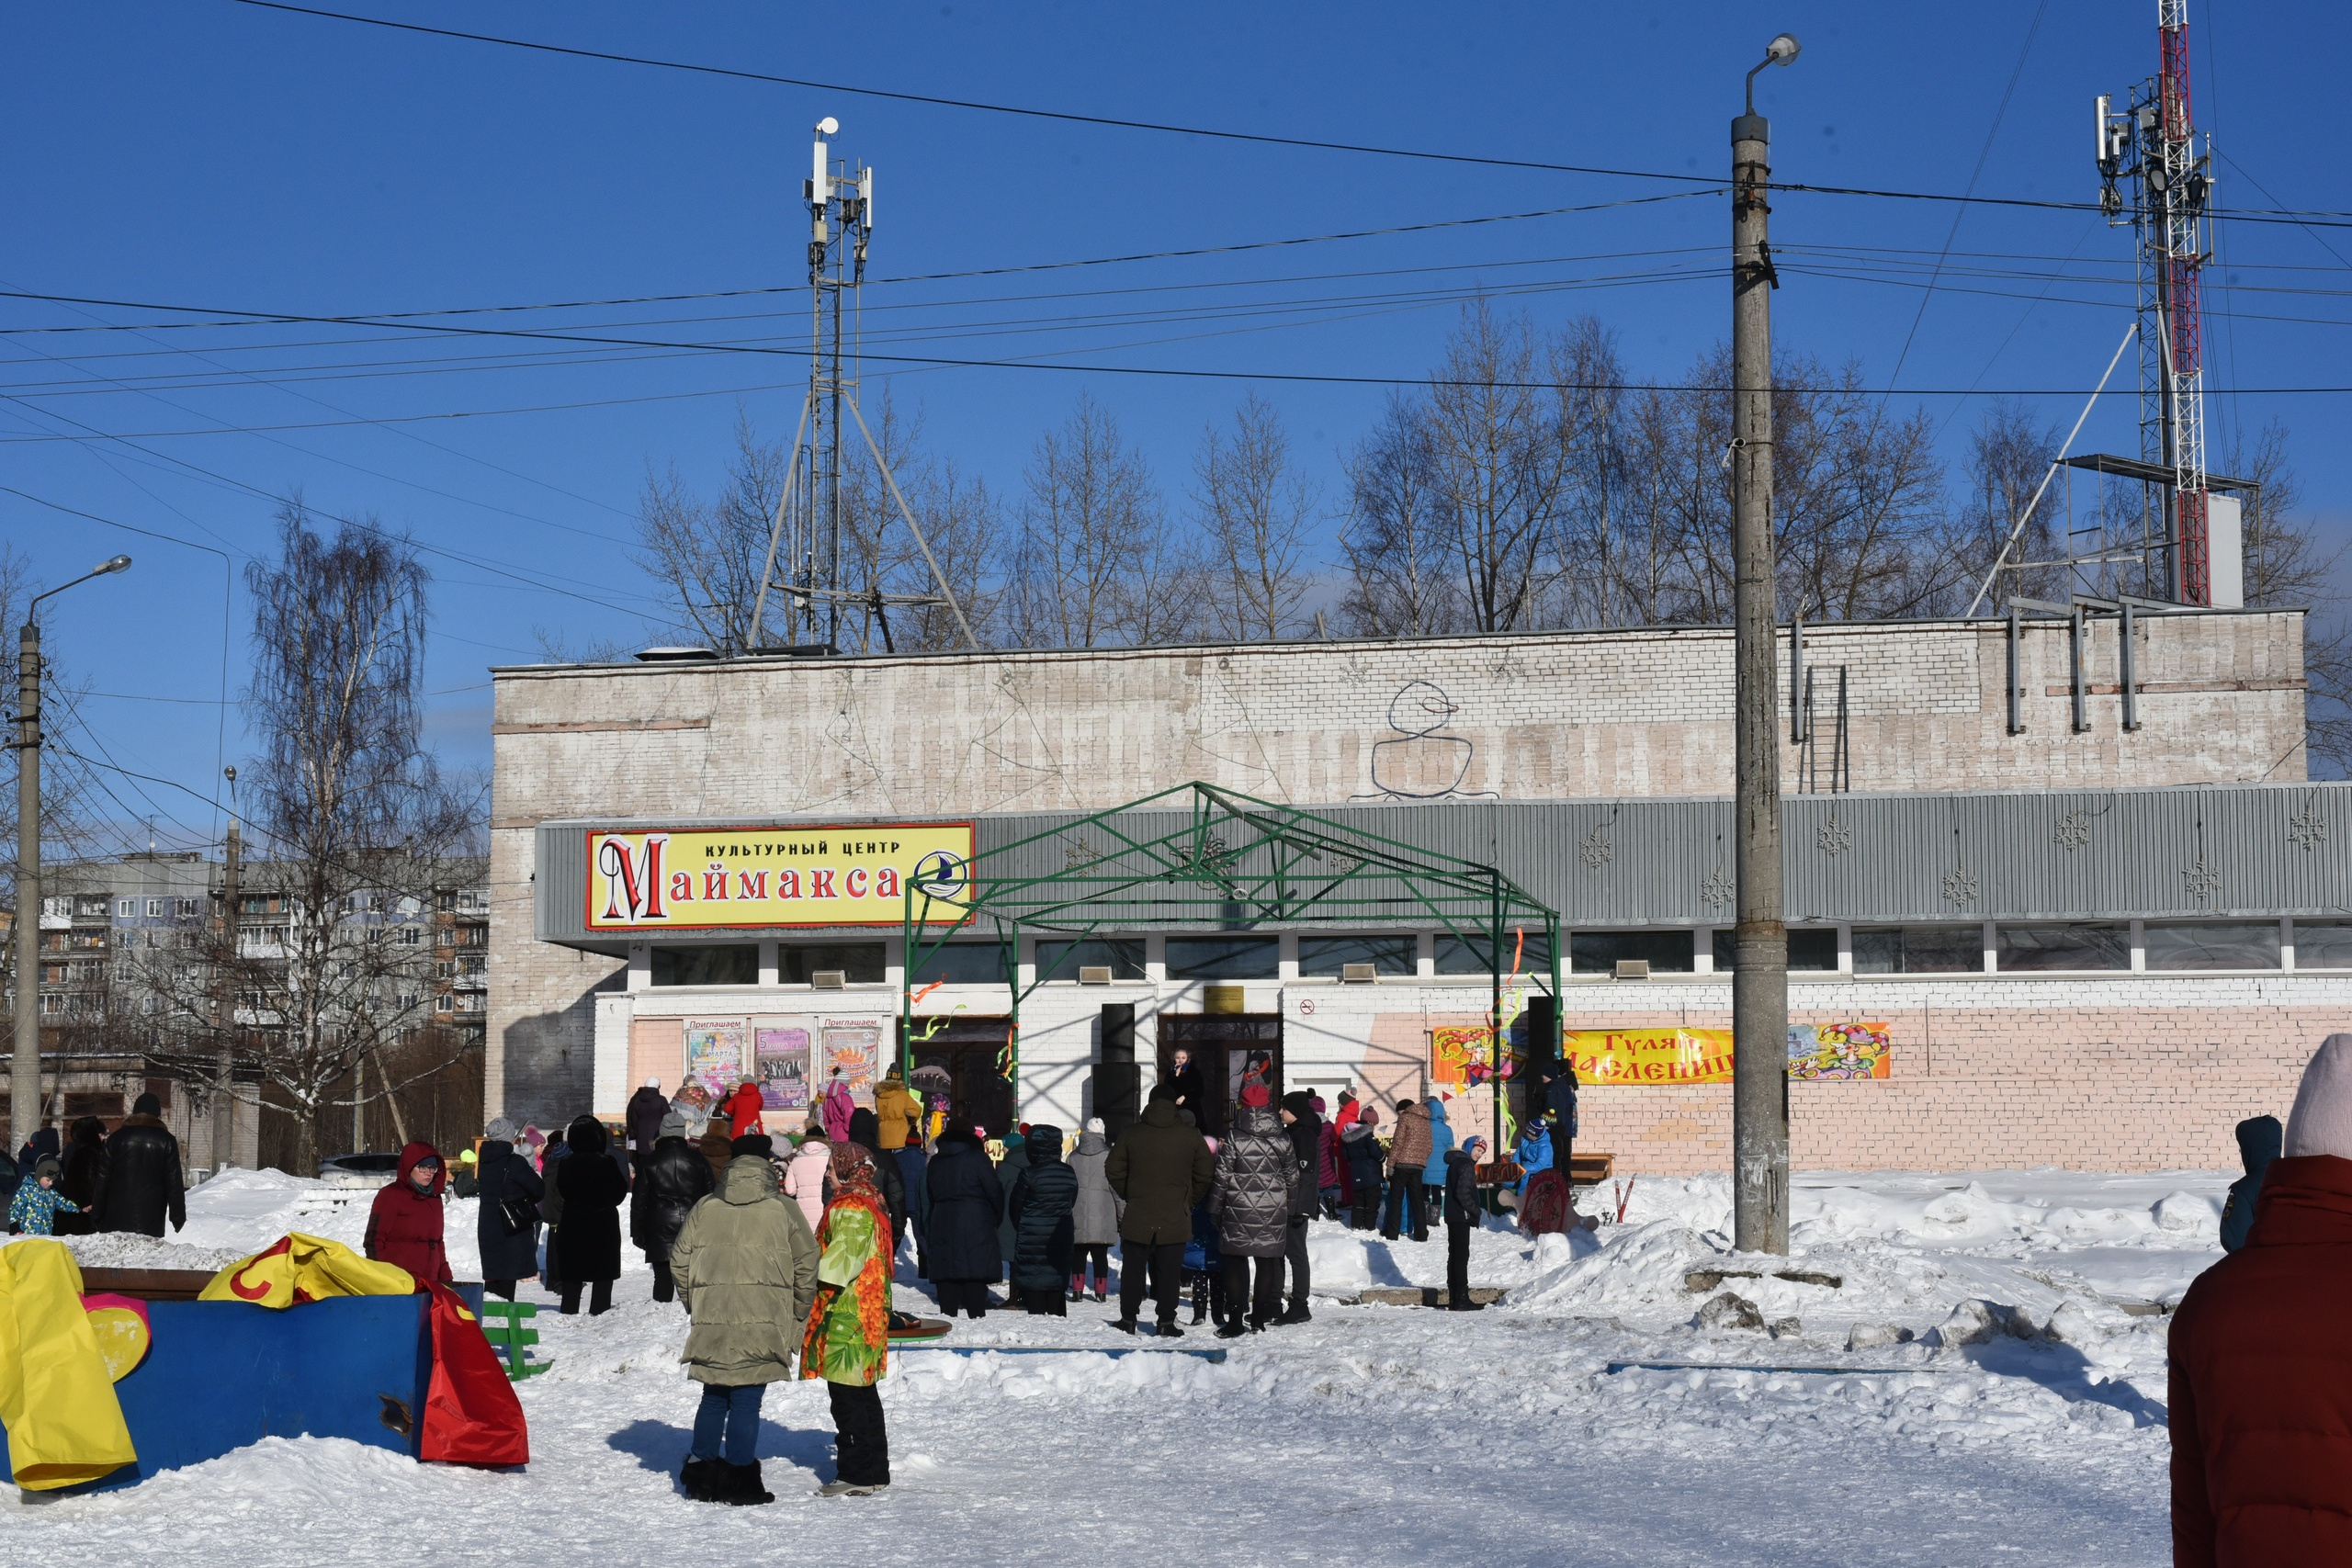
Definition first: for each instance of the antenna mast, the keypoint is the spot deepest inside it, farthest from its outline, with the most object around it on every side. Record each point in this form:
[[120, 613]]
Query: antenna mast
[[2153, 144]]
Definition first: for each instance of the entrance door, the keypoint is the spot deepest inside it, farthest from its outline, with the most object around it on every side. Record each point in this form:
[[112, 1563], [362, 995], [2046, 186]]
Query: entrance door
[[955, 1068], [1219, 1048]]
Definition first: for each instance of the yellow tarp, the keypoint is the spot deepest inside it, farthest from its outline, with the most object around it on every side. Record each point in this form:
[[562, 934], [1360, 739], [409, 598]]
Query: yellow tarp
[[305, 1269], [56, 1394]]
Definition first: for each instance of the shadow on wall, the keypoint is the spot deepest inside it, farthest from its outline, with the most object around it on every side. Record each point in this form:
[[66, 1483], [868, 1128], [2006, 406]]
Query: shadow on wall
[[550, 1061]]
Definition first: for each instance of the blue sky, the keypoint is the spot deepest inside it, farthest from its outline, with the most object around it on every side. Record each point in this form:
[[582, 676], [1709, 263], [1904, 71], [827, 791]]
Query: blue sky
[[212, 154]]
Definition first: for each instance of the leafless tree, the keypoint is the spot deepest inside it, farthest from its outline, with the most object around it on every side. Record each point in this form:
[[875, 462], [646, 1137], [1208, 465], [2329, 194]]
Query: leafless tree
[[1393, 541], [1256, 512], [1499, 466], [2286, 565], [705, 555], [960, 520], [355, 825], [1097, 564], [2008, 452]]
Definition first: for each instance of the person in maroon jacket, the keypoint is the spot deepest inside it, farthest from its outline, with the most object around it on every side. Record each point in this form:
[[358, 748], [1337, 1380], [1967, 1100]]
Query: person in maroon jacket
[[404, 1225], [2261, 1398]]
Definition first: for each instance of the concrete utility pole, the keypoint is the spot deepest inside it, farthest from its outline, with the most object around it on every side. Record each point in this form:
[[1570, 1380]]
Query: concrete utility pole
[[1759, 983], [224, 982], [24, 1063]]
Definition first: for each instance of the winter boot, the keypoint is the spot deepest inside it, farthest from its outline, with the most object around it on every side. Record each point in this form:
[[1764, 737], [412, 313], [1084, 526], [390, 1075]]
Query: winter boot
[[1233, 1330], [1077, 1287], [1101, 1287], [742, 1487], [702, 1478], [1125, 1325], [1297, 1313], [1168, 1329]]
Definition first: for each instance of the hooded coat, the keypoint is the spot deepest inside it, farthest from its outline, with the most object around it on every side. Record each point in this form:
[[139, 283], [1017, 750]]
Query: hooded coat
[[405, 1224], [1161, 1167], [84, 1157], [967, 1200], [894, 1106], [588, 1237], [1440, 1140], [2261, 1383], [2259, 1140], [1094, 1220], [717, 1148], [1461, 1186], [643, 1118], [1534, 1153], [1256, 1184], [836, 1106], [743, 1110], [675, 1179], [1008, 1172], [1041, 1205], [138, 1184], [1359, 1147], [746, 1265], [505, 1174], [866, 1129], [804, 1179], [1409, 1147]]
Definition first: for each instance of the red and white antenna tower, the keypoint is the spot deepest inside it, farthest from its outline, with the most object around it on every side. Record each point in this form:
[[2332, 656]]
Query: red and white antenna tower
[[2153, 143]]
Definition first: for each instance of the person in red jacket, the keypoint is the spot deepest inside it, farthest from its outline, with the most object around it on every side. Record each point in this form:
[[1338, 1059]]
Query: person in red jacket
[[404, 1226], [743, 1109], [2261, 1396]]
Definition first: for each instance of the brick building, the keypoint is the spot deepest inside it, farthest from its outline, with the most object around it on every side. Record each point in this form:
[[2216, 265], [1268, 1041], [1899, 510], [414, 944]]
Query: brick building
[[2094, 927]]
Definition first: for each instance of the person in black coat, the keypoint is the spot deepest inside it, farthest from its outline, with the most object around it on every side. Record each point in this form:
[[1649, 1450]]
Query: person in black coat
[[507, 1254], [967, 1203], [864, 1129], [85, 1152], [1460, 1219], [643, 1118], [139, 1184], [674, 1178], [588, 1238], [1043, 1202]]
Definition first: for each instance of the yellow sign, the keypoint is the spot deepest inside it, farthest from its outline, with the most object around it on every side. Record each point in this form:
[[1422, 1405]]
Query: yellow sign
[[858, 876], [1670, 1057]]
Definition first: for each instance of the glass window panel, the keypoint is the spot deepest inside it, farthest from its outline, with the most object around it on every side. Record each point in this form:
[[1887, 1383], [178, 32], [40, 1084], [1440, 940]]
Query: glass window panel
[[1063, 960], [1808, 949], [733, 965], [1598, 952], [2026, 948], [1323, 955], [1919, 950], [860, 963], [2234, 944], [1458, 957], [2323, 945], [1222, 958], [963, 964]]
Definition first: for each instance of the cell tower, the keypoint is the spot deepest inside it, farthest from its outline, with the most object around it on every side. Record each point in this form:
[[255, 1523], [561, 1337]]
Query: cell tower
[[2153, 143], [811, 520]]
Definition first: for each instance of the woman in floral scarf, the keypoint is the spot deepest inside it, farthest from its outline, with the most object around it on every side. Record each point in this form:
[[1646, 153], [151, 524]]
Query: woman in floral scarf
[[848, 1340]]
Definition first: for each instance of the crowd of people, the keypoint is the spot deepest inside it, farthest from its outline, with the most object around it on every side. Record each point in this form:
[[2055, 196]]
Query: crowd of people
[[129, 1180]]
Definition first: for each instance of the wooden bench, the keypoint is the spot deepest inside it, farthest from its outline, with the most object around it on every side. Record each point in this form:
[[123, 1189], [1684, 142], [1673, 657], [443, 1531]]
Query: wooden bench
[[1590, 1170]]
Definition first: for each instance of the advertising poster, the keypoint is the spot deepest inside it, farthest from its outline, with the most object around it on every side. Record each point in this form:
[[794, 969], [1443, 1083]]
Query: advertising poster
[[780, 1051], [768, 877], [715, 1054], [1670, 1057], [853, 1047]]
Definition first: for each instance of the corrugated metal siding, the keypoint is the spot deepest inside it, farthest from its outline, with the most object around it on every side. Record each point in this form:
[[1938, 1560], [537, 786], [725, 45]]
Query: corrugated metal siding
[[2254, 850]]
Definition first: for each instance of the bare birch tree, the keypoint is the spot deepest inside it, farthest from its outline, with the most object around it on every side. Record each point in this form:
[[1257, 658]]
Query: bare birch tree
[[1256, 513], [1097, 565], [705, 555], [1392, 542]]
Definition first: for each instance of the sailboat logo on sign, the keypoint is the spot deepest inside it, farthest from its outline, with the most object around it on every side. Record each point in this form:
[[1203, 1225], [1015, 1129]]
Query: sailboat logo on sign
[[942, 875]]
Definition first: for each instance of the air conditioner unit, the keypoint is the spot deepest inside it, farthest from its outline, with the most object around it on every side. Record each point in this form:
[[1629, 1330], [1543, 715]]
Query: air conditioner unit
[[828, 979], [1358, 974], [1094, 974], [1632, 969]]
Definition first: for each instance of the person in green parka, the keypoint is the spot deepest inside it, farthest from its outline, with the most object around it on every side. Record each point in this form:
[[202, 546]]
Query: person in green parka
[[848, 1338], [746, 1268]]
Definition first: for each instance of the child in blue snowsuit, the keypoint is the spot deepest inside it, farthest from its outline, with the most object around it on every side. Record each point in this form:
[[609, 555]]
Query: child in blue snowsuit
[[33, 1210]]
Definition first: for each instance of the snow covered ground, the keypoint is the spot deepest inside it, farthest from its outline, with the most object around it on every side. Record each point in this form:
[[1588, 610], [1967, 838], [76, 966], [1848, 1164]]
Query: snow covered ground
[[1972, 1389]]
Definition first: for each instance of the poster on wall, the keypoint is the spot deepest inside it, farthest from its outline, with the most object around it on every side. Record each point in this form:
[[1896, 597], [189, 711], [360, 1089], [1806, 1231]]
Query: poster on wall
[[1827, 1052], [715, 1054], [780, 1053], [1463, 1057], [852, 1047]]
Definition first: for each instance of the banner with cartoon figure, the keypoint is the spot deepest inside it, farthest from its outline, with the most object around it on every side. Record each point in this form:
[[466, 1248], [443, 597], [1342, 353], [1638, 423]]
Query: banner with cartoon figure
[[1665, 1057], [1463, 1057]]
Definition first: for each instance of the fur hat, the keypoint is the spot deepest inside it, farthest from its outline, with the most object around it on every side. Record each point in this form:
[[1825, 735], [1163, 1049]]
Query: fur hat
[[758, 1143], [2321, 1122]]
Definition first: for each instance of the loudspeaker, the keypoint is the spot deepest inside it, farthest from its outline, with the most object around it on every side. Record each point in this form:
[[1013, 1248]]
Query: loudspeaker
[[1116, 1078], [1539, 1056]]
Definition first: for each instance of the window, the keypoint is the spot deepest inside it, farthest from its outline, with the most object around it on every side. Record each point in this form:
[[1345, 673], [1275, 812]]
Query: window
[[1919, 950], [2027, 948], [735, 965], [2234, 944], [186, 909], [473, 963], [411, 936], [1810, 948], [1598, 952], [1062, 959], [1323, 955], [964, 963], [2324, 945], [859, 962], [57, 908], [446, 1003], [1529, 951], [1222, 958], [126, 908]]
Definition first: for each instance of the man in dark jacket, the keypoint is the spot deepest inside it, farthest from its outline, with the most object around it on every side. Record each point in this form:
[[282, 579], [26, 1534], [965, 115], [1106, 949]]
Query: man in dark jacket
[[2259, 1140], [1042, 1202], [84, 1156], [506, 1228], [1162, 1167], [1460, 1219], [138, 1179], [672, 1180], [643, 1118], [1306, 1130]]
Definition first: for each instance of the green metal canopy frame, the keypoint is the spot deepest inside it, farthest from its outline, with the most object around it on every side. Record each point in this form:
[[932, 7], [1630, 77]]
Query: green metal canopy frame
[[1236, 863]]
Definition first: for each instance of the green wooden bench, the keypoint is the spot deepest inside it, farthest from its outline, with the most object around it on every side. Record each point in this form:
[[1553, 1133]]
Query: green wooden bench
[[503, 1324]]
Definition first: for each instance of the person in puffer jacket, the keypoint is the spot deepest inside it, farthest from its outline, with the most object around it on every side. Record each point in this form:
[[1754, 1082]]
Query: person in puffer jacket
[[1359, 1147], [1258, 1174], [1460, 1219], [1440, 1140], [2259, 1140], [673, 1177], [1042, 1202]]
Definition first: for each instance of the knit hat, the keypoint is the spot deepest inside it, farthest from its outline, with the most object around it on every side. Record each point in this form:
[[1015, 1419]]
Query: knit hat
[[672, 1126], [2321, 1122], [758, 1143], [1255, 1094], [147, 1105], [501, 1128], [653, 1083], [1094, 1123]]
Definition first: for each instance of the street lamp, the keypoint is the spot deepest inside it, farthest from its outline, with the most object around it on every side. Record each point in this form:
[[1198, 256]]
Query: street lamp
[[24, 1067], [1760, 981]]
